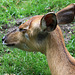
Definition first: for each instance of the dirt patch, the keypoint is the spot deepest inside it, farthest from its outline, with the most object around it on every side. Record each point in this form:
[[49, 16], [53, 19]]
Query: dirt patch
[[67, 30]]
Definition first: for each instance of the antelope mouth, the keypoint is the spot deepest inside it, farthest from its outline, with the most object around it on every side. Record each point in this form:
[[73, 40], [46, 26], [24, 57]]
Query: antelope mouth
[[10, 44], [5, 43]]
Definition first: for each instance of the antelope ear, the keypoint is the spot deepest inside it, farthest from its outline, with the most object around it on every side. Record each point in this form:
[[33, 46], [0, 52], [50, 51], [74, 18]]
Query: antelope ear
[[49, 22], [66, 15]]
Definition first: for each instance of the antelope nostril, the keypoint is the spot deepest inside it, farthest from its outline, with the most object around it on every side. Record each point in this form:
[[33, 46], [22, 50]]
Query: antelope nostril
[[4, 41], [3, 38]]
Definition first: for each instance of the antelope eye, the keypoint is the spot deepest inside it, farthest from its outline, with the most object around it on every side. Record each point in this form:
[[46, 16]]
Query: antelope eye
[[22, 30]]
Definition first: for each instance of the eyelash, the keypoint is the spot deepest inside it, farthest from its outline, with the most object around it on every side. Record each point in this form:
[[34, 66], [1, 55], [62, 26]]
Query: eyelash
[[22, 29]]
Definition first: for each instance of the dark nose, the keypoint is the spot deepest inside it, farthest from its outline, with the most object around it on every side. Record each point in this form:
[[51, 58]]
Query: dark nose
[[3, 39]]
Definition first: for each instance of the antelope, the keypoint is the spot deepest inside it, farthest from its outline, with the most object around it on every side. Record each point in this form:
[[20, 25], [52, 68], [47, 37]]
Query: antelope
[[42, 34]]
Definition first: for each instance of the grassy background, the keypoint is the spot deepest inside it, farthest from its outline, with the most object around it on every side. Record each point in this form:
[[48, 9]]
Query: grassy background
[[19, 62], [10, 9]]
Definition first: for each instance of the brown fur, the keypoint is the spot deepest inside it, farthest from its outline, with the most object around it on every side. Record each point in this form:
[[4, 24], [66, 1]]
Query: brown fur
[[68, 11], [52, 45]]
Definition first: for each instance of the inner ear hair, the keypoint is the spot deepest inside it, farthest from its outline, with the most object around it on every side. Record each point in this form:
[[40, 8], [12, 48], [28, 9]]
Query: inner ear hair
[[49, 22]]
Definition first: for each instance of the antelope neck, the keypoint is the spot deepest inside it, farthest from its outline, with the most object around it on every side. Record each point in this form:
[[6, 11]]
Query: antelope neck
[[59, 59]]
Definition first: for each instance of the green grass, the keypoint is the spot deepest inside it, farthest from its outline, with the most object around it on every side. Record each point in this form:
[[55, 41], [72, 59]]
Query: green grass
[[13, 9], [71, 46], [21, 62], [17, 61]]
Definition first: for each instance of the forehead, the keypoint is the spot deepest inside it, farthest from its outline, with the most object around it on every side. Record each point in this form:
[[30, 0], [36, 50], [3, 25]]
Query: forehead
[[35, 23], [31, 22]]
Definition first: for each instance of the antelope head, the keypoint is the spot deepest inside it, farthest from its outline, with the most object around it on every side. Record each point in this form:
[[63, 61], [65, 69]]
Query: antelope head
[[32, 35]]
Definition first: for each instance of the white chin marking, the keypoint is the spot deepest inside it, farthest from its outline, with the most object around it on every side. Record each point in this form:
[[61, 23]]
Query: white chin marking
[[4, 43]]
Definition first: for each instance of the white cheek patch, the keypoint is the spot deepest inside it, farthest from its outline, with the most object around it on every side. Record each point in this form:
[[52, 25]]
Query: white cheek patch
[[26, 35]]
